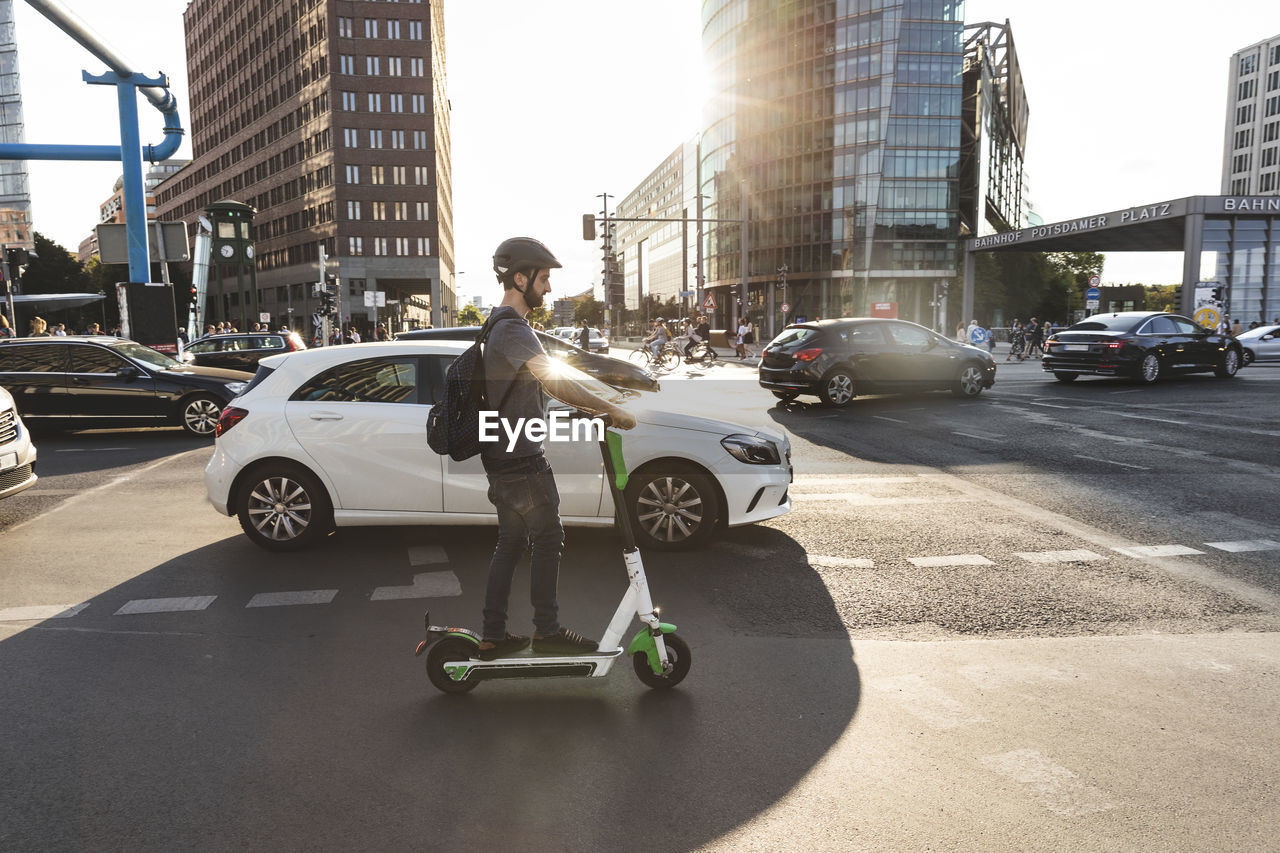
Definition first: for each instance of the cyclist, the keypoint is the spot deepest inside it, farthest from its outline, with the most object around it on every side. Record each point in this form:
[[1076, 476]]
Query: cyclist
[[658, 337]]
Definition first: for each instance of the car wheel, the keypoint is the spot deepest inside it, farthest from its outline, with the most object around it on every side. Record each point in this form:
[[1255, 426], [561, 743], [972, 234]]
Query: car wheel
[[785, 396], [1246, 357], [1229, 366], [837, 388], [1149, 369], [200, 414], [1066, 377], [969, 382], [283, 507], [672, 509]]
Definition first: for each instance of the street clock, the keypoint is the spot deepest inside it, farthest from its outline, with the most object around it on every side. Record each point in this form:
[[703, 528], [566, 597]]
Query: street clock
[[231, 224]]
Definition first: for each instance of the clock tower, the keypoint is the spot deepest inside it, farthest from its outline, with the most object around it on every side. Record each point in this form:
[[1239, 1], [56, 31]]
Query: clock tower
[[231, 224]]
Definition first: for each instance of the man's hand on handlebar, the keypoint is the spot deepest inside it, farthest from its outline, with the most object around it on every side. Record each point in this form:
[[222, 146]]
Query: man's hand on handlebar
[[619, 419]]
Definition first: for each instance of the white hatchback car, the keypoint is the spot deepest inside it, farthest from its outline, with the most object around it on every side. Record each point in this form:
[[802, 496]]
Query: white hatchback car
[[17, 453], [337, 436]]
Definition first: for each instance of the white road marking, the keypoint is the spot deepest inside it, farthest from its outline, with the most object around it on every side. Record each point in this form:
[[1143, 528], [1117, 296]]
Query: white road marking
[[1050, 405], [813, 480], [929, 703], [1111, 462], [165, 605], [1245, 545], [1056, 788], [425, 585], [887, 418], [422, 555], [41, 611], [1078, 555], [1141, 551], [979, 437], [302, 596], [820, 561], [1149, 418], [950, 560]]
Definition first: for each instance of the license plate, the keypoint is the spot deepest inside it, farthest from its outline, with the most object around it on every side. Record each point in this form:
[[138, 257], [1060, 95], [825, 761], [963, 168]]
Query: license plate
[[1076, 347], [8, 460]]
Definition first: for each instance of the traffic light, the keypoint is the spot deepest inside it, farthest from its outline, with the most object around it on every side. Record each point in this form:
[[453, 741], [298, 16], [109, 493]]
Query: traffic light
[[588, 226], [1217, 295], [194, 298], [16, 258]]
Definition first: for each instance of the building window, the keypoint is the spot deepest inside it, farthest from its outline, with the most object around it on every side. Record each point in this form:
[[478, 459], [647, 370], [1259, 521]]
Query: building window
[[415, 30], [402, 246], [349, 139], [396, 103], [1248, 64], [379, 211], [393, 66], [379, 245], [346, 28], [371, 28], [420, 139], [397, 139], [375, 175], [353, 210], [373, 65], [349, 101], [375, 102], [401, 210], [393, 29], [419, 103], [424, 245], [424, 210], [346, 64], [375, 139], [353, 174], [397, 174], [422, 175], [417, 67], [355, 245]]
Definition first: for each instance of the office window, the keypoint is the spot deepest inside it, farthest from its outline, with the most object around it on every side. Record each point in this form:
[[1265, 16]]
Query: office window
[[346, 28], [419, 103], [1248, 64], [375, 175], [373, 65], [353, 174], [424, 210], [349, 139], [415, 30], [396, 103], [422, 175], [393, 29], [379, 211], [349, 101], [402, 246], [424, 245], [397, 139], [420, 139], [417, 67], [353, 210], [346, 64], [375, 102], [371, 28], [393, 66], [379, 245], [355, 245], [375, 139], [397, 174]]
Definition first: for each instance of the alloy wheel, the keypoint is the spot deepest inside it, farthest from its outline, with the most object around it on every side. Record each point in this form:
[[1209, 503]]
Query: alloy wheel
[[669, 509], [200, 416], [971, 381], [839, 389], [280, 509]]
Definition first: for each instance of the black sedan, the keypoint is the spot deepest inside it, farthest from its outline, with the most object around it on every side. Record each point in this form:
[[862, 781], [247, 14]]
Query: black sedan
[[240, 351], [609, 370], [86, 382], [1141, 345], [839, 359]]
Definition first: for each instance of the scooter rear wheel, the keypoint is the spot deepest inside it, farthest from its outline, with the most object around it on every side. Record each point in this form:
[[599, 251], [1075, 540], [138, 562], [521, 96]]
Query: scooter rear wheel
[[446, 651], [677, 653]]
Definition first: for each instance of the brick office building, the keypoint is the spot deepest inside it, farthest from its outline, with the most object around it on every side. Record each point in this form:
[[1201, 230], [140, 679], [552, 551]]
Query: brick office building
[[330, 118]]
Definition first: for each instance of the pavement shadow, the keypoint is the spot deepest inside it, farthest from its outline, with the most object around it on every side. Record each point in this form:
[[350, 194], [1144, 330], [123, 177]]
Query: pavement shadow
[[315, 727]]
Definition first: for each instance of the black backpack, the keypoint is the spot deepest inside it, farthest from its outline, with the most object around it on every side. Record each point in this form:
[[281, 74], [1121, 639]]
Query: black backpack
[[453, 427]]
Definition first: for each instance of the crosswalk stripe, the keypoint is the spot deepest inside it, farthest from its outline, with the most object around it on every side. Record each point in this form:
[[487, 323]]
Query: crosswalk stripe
[[37, 612], [302, 596], [1245, 545], [425, 585], [950, 560], [1075, 556], [820, 561], [165, 605], [1141, 551]]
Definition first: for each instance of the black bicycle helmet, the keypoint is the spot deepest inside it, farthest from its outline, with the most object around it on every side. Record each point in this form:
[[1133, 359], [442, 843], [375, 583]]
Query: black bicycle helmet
[[521, 254]]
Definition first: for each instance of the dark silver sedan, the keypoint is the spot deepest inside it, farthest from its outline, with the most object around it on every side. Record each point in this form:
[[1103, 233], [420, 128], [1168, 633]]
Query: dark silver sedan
[[1260, 344]]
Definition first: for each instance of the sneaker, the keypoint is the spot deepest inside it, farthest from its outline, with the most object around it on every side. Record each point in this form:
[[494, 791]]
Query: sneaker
[[512, 644], [564, 642]]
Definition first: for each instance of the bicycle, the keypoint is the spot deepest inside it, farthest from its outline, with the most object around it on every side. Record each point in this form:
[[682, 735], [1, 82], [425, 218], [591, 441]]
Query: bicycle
[[669, 357], [702, 353]]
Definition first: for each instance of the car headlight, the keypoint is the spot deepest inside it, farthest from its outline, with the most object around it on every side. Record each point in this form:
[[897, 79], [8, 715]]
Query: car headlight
[[751, 449], [237, 388]]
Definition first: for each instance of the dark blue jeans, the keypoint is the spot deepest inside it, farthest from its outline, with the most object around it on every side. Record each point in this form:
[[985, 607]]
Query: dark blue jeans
[[524, 493]]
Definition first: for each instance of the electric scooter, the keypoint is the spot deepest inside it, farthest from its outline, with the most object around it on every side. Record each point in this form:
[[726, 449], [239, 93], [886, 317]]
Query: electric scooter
[[660, 657]]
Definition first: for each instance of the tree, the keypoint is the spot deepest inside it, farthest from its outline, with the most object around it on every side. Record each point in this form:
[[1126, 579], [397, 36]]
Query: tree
[[54, 270], [469, 315], [540, 318], [590, 310]]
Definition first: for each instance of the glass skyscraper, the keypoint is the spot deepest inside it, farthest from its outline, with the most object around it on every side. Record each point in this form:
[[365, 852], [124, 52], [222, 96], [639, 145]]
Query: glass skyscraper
[[841, 125], [15, 194]]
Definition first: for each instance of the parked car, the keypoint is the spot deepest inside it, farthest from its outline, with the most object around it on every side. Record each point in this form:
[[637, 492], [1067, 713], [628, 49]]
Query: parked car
[[17, 453], [84, 382], [1142, 345], [841, 358], [335, 437], [1260, 344], [240, 351], [612, 371], [599, 340]]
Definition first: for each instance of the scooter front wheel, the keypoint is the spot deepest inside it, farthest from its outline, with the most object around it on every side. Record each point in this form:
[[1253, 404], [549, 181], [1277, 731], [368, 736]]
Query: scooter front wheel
[[444, 653], [677, 655]]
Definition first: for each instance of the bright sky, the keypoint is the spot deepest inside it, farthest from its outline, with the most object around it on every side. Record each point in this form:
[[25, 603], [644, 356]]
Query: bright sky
[[551, 108]]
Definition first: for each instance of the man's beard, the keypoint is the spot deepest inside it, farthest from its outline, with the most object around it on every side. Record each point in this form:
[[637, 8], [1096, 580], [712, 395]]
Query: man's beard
[[532, 297]]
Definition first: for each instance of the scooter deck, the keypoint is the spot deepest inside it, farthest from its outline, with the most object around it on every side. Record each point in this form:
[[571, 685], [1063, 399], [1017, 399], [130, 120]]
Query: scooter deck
[[530, 664]]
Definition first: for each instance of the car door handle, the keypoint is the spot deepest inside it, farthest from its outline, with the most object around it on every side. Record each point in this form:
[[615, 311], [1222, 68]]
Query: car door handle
[[325, 416]]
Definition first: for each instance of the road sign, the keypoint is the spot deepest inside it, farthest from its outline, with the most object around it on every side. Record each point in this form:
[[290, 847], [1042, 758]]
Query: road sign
[[786, 308], [264, 317], [375, 298], [1095, 280], [709, 303], [113, 241], [1208, 317], [1092, 296]]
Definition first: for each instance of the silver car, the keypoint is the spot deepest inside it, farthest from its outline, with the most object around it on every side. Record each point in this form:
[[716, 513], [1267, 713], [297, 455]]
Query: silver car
[[1260, 344]]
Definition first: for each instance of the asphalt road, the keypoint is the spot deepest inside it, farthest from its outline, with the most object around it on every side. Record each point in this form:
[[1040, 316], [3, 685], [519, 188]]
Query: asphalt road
[[1042, 619]]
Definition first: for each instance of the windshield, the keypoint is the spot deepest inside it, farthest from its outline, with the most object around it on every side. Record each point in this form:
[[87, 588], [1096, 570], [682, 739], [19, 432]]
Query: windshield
[[1114, 323], [145, 355], [793, 335]]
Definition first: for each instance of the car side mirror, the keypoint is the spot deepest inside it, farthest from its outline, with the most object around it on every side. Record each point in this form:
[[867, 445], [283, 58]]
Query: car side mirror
[[1268, 337], [128, 373]]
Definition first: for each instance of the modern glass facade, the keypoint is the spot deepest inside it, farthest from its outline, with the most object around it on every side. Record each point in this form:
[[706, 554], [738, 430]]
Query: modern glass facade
[[1244, 254], [657, 257], [15, 194], [839, 122]]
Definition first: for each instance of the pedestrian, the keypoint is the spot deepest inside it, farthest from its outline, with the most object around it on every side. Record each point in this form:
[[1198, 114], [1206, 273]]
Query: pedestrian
[[38, 328], [381, 334], [182, 336], [5, 330], [738, 345], [748, 339], [522, 486], [1017, 340], [1033, 339], [1236, 328], [94, 329], [354, 335], [584, 337], [961, 334]]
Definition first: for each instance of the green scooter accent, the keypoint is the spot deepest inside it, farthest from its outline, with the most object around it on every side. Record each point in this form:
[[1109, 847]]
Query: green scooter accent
[[619, 466], [643, 642]]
